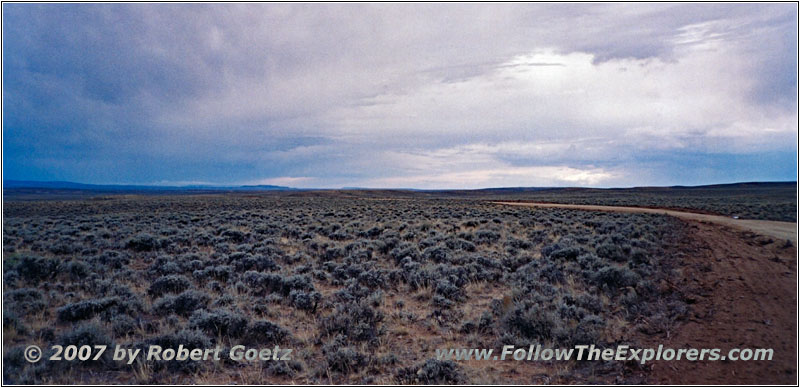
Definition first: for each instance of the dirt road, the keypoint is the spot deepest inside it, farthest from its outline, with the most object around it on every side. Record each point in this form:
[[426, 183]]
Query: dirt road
[[742, 291], [775, 229]]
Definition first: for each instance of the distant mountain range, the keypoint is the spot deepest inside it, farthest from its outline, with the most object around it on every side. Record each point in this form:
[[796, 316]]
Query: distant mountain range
[[72, 186], [61, 185]]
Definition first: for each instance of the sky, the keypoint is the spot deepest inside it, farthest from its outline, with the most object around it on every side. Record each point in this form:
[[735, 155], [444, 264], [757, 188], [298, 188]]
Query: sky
[[428, 96]]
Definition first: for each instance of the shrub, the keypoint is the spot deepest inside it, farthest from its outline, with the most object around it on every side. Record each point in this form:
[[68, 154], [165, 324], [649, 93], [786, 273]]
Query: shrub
[[588, 331], [432, 371], [639, 256], [190, 339], [222, 272], [404, 250], [183, 304], [531, 322], [484, 236], [265, 332], [354, 292], [333, 253], [441, 301], [372, 278], [35, 268], [142, 242], [86, 309], [517, 243], [305, 300], [356, 321], [12, 321], [284, 368], [219, 322], [437, 254], [166, 265], [346, 360], [77, 270], [263, 282], [612, 277], [224, 300], [13, 363], [614, 252], [122, 325], [202, 274], [234, 235], [24, 301], [270, 282], [458, 244], [113, 259], [64, 246], [297, 282], [244, 262], [589, 262], [11, 277], [447, 290], [589, 302], [552, 273], [358, 255], [373, 232], [169, 284], [564, 253], [91, 335]]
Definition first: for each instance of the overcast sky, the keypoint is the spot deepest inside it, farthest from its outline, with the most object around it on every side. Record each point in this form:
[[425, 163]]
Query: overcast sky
[[400, 95]]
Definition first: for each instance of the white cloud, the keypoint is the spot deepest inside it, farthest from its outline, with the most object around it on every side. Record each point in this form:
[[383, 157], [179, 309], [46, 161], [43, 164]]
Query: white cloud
[[481, 166], [703, 95], [498, 177]]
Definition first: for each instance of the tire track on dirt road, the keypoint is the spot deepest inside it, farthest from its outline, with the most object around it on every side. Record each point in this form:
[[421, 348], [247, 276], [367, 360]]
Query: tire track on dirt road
[[739, 278]]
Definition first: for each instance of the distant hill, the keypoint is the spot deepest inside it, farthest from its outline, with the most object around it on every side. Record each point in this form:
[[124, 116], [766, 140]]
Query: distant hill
[[62, 185], [20, 186]]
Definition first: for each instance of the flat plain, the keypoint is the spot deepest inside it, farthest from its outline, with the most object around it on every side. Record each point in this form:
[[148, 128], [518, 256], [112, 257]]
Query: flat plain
[[366, 285]]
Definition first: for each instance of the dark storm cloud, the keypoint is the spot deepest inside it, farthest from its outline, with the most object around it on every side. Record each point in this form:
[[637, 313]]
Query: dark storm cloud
[[463, 95]]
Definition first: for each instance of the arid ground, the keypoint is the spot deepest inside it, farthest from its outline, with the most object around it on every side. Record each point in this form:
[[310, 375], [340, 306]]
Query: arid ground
[[365, 286]]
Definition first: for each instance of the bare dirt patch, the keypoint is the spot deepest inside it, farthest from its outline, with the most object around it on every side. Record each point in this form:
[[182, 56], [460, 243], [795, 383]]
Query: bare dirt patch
[[743, 294]]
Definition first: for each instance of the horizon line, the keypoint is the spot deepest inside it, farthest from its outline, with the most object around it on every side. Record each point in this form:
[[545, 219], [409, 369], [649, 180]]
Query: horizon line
[[30, 184]]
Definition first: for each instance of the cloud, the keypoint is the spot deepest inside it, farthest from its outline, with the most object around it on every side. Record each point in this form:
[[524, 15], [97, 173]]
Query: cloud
[[357, 94], [477, 166], [294, 181], [541, 176], [700, 102]]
